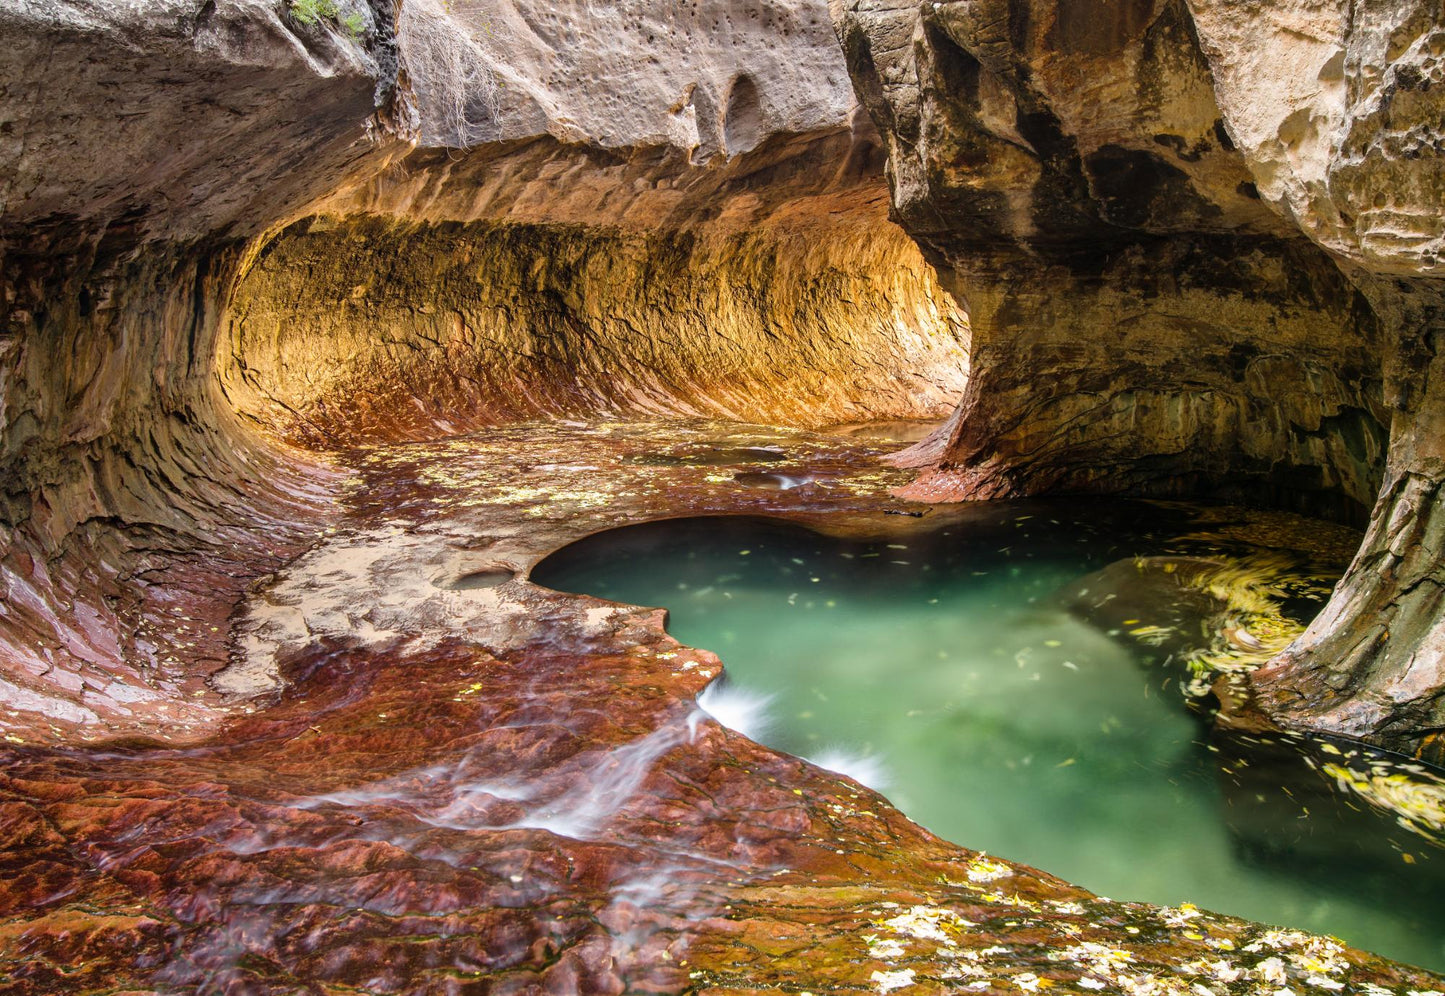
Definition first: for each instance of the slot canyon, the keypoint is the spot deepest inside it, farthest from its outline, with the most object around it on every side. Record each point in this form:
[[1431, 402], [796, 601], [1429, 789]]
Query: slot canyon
[[335, 333]]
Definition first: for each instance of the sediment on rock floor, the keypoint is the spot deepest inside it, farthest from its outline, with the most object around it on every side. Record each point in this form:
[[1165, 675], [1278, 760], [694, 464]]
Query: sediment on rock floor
[[299, 249]]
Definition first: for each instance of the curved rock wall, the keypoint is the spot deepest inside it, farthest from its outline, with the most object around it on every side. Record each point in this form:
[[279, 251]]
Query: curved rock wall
[[141, 145], [1218, 229], [1338, 112], [193, 192], [1141, 321], [790, 301]]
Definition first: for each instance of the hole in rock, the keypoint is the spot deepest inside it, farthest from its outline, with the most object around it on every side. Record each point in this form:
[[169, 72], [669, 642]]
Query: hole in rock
[[743, 120], [1011, 673], [475, 580]]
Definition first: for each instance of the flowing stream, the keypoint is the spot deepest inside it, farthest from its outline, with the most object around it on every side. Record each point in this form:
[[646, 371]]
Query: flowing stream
[[1010, 676]]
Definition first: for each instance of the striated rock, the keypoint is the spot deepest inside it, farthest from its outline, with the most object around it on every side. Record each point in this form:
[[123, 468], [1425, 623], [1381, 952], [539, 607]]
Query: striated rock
[[1095, 187], [511, 789], [445, 779], [140, 143], [1337, 112], [1141, 322], [149, 335], [698, 231], [789, 301]]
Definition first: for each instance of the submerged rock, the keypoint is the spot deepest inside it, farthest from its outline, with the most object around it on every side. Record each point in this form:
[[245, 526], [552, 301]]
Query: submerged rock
[[1199, 248], [223, 225]]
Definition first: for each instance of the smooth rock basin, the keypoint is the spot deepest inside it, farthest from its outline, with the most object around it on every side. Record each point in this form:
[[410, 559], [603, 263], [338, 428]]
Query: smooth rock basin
[[512, 789], [1012, 682]]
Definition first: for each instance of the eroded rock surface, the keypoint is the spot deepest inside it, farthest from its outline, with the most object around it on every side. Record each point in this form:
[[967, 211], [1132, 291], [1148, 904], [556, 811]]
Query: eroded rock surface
[[477, 787], [158, 313], [1141, 321], [772, 289], [510, 789], [1218, 231], [1337, 112], [141, 144]]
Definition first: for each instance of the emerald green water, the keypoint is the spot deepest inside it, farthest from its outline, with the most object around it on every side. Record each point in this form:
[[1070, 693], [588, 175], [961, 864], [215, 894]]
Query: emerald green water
[[982, 674]]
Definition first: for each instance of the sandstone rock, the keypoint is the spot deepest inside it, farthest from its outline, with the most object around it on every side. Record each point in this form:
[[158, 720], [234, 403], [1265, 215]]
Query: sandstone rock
[[153, 156], [714, 78], [141, 141], [1337, 112], [1331, 105], [1080, 179], [1140, 320], [144, 145], [696, 292]]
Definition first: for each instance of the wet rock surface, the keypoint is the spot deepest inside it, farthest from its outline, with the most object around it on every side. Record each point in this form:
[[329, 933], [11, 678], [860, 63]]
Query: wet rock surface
[[351, 778], [1345, 144], [512, 790], [1042, 157], [152, 161]]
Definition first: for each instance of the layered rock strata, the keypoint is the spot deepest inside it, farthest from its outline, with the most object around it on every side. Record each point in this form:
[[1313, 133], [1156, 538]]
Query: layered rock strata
[[1219, 232], [1338, 112], [510, 789], [142, 146], [769, 289], [1141, 321], [174, 303], [506, 773]]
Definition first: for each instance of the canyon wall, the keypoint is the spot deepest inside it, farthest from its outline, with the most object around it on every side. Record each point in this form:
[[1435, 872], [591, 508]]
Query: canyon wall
[[1218, 230], [142, 146], [798, 304], [226, 231], [1339, 111], [1142, 322], [676, 210]]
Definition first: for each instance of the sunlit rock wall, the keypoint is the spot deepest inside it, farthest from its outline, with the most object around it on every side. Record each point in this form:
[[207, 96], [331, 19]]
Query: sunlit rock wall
[[220, 227], [700, 292], [634, 207]]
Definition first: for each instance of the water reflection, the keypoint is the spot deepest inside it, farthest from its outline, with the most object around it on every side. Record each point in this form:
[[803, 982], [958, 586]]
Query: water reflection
[[1016, 669]]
